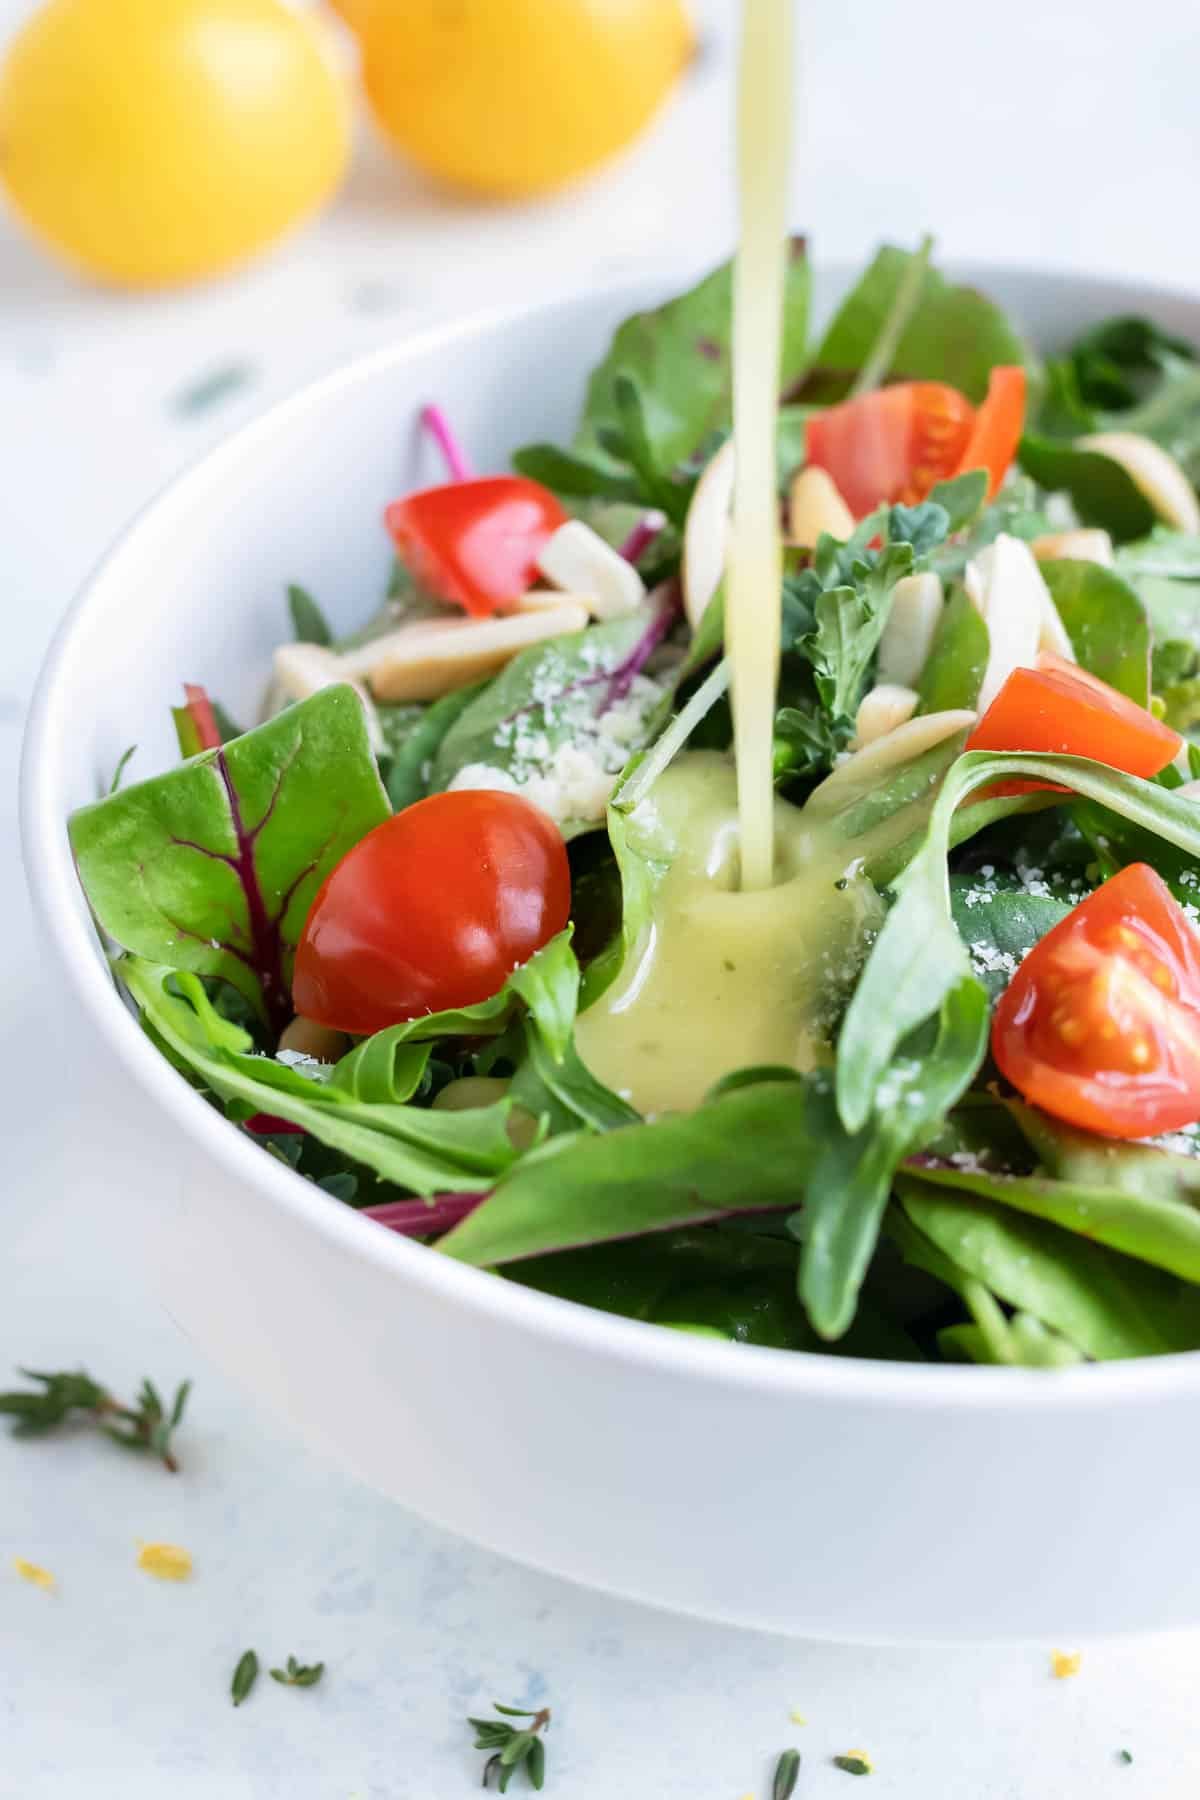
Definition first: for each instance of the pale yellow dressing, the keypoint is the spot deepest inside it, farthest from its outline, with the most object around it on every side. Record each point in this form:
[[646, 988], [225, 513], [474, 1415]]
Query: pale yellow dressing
[[752, 615], [723, 979]]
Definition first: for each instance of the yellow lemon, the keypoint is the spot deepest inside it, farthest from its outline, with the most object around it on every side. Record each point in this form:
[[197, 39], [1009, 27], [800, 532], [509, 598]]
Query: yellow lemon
[[512, 97], [152, 141]]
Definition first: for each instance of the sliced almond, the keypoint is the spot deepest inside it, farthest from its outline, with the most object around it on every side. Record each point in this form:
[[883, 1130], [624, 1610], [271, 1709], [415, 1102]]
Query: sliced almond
[[302, 670], [882, 710], [863, 769], [539, 600], [913, 619], [431, 657], [577, 560], [1083, 545], [1154, 471], [815, 505], [706, 534], [1008, 589]]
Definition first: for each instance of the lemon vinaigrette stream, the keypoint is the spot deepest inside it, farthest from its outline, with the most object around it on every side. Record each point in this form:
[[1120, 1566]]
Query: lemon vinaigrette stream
[[756, 911], [755, 570]]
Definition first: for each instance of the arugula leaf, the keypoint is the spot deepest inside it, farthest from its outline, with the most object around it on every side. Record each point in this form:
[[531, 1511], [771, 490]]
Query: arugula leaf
[[961, 498], [1107, 1304], [954, 334], [679, 357], [918, 957], [423, 1151], [1100, 489], [308, 621], [1106, 623], [1130, 375], [562, 697], [213, 866], [849, 623]]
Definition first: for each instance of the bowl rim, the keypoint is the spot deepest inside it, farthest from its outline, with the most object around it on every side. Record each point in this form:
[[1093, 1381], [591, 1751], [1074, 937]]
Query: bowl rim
[[812, 1375]]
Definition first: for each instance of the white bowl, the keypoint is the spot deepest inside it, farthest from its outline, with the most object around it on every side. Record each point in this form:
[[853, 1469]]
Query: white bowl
[[799, 1493]]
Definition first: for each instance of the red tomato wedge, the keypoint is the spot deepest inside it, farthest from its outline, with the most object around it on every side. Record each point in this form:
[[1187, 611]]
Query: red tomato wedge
[[1101, 1023], [998, 426], [1059, 707], [476, 543], [892, 445], [433, 909]]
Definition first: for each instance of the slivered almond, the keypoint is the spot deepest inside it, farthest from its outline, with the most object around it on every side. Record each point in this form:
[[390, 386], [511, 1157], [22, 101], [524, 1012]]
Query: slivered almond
[[431, 657], [577, 560], [864, 768], [1084, 545], [1008, 589], [908, 635], [302, 670], [1154, 471], [881, 710], [706, 534], [815, 505]]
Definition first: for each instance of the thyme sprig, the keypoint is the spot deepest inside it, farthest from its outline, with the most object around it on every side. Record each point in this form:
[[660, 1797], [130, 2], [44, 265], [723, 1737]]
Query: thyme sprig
[[147, 1425], [513, 1747]]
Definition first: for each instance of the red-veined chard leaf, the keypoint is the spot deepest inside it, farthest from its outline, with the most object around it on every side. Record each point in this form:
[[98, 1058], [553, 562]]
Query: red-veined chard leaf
[[213, 866]]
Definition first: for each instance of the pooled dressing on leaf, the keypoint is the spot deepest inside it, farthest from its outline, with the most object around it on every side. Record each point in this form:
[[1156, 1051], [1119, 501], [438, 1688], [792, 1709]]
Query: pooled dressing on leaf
[[721, 979]]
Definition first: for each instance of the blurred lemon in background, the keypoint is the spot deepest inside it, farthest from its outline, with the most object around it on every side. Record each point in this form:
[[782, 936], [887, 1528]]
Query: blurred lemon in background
[[152, 141], [513, 97]]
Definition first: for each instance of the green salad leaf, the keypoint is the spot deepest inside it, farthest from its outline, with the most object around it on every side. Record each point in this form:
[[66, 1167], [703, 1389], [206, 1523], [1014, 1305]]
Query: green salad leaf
[[957, 660], [1099, 488], [1106, 623], [954, 334], [918, 957], [414, 736], [679, 357], [213, 866]]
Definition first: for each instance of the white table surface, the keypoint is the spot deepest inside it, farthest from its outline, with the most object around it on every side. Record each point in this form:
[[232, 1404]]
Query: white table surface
[[1065, 134]]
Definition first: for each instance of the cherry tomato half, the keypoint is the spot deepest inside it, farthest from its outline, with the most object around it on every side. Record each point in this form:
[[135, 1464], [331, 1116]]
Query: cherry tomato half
[[892, 445], [1101, 1023], [1059, 707], [431, 910], [998, 426], [476, 543]]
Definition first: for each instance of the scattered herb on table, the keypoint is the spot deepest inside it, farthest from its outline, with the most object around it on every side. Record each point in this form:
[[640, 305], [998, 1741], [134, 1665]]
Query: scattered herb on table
[[1125, 1757], [787, 1772], [244, 1676], [149, 1425], [797, 1718], [298, 1674], [209, 390], [513, 1746], [855, 1762]]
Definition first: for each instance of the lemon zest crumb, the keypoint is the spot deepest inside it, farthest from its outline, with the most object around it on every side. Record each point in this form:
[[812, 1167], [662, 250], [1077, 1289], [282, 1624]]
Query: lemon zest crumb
[[167, 1562], [28, 1571], [797, 1718], [1065, 1663]]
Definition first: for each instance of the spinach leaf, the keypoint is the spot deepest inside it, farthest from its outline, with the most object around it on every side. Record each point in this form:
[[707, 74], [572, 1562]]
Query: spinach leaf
[[582, 696], [954, 334], [679, 357], [213, 866], [308, 621], [743, 1152], [1163, 552], [1128, 374], [999, 926], [415, 739], [1100, 490], [957, 661], [1155, 1230], [1107, 1304], [577, 477], [423, 1151], [918, 957], [961, 498], [1147, 1171], [1106, 623]]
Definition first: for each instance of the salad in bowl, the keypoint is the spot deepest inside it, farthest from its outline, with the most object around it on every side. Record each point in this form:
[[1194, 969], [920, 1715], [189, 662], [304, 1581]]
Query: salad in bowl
[[456, 931]]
